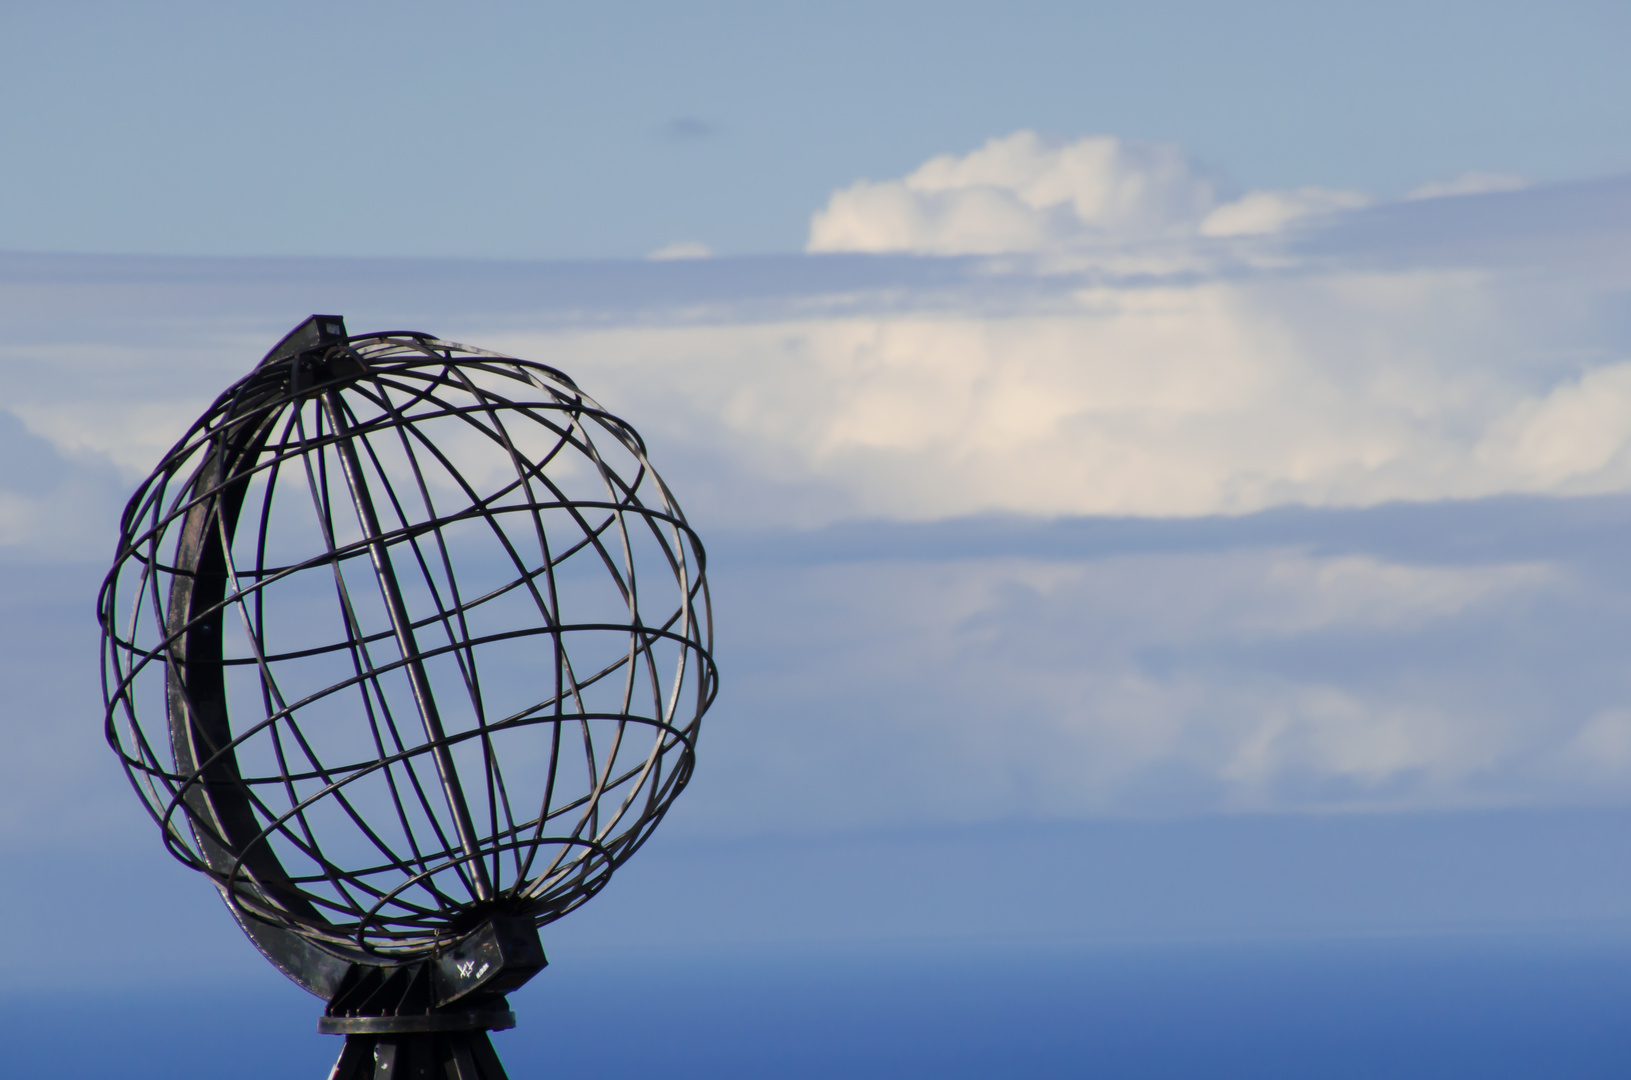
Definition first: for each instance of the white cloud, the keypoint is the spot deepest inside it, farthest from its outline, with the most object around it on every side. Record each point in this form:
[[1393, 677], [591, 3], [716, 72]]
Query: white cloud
[[130, 435], [682, 249], [1239, 680], [1344, 389], [1575, 439], [1270, 211], [1472, 183], [1260, 679], [1221, 390], [1024, 192], [1601, 750]]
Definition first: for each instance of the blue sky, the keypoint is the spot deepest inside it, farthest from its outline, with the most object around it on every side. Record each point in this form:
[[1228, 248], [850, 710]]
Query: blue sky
[[1165, 473]]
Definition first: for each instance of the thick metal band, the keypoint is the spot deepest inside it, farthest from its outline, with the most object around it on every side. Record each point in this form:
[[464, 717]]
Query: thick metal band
[[415, 1024]]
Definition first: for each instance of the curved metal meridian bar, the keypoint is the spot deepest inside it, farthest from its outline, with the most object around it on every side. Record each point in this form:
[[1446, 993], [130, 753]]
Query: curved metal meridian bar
[[219, 810], [424, 697], [547, 607]]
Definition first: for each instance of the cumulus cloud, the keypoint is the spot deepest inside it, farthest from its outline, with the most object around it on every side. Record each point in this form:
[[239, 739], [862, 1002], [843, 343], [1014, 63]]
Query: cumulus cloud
[[1024, 192], [1020, 193]]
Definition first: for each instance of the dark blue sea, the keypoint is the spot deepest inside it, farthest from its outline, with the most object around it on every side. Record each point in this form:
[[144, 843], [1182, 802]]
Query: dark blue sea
[[1547, 1008]]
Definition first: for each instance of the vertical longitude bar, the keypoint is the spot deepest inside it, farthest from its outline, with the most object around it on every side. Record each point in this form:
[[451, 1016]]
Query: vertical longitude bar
[[402, 626]]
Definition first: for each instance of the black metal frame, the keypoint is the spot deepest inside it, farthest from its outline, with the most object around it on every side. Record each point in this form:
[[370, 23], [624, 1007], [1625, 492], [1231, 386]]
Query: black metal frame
[[417, 466]]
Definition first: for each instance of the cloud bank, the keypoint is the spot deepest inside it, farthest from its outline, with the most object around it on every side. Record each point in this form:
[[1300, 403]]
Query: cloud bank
[[1229, 362]]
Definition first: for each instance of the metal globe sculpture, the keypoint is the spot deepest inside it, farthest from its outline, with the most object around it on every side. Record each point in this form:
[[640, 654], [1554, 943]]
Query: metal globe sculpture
[[405, 647]]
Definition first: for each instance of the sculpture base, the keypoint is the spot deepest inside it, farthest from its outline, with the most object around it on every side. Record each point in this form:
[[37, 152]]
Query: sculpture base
[[444, 1055], [430, 1018]]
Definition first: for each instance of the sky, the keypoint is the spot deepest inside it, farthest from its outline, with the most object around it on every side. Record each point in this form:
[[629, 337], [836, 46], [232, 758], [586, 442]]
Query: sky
[[562, 131], [1165, 472]]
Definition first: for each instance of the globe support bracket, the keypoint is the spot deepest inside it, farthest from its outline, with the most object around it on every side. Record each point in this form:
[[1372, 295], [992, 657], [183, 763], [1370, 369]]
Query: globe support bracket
[[431, 1017]]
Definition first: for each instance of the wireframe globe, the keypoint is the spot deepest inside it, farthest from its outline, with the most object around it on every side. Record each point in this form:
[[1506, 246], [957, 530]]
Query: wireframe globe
[[403, 636]]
